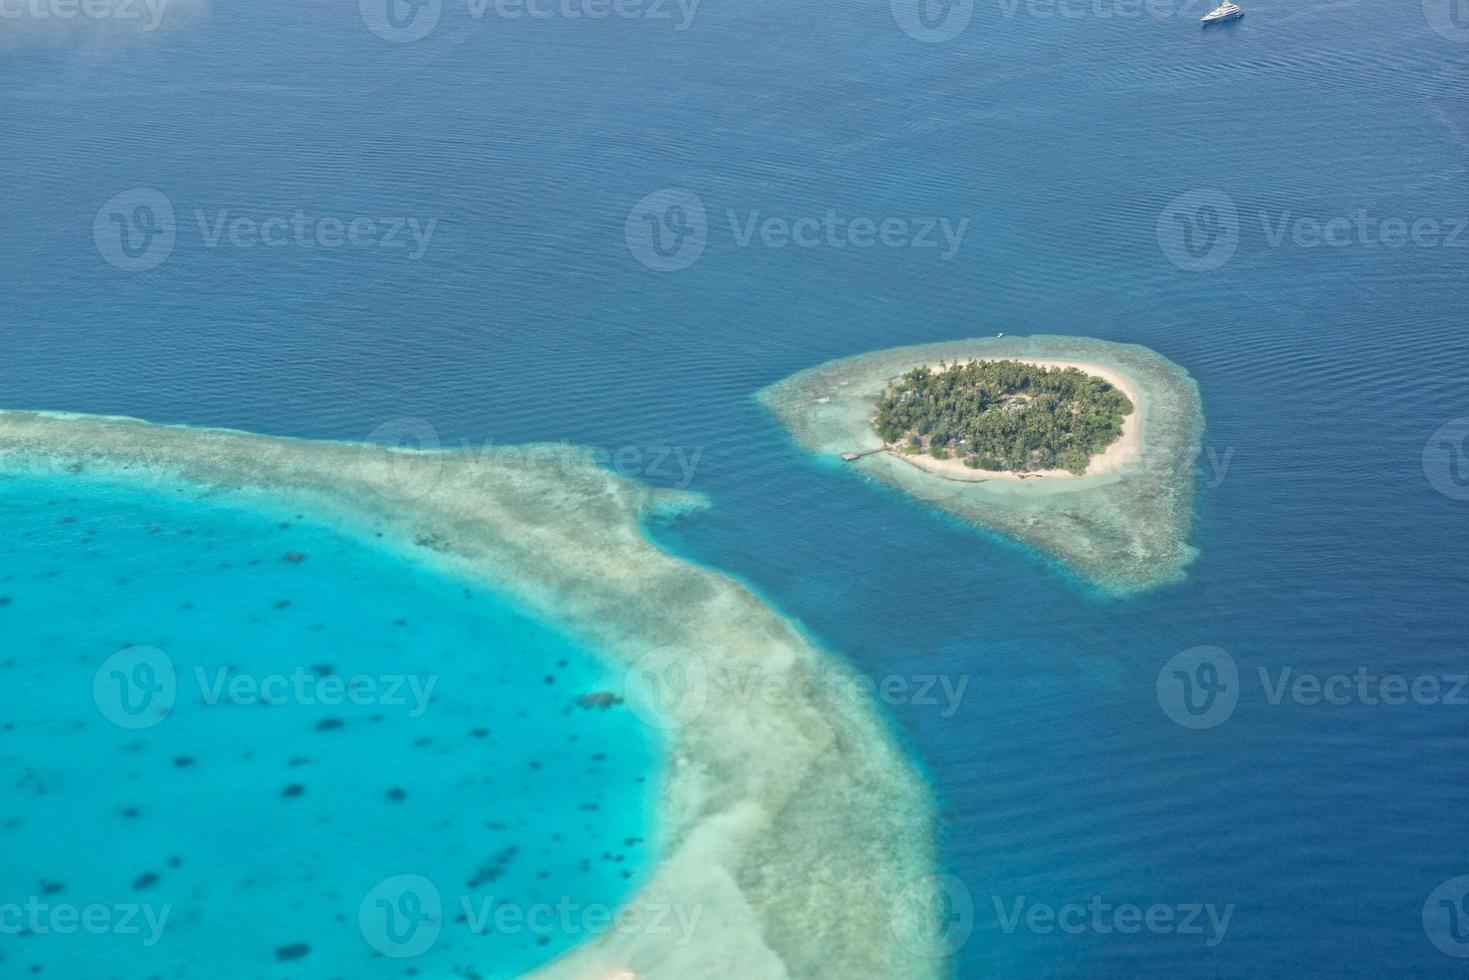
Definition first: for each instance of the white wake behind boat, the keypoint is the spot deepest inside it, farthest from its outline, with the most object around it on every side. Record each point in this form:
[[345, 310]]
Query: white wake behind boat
[[1225, 11]]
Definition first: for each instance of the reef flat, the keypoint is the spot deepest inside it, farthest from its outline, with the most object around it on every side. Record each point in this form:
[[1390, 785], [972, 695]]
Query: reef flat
[[1125, 530], [795, 830]]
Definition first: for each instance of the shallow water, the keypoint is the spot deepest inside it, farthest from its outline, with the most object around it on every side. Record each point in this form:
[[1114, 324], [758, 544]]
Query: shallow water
[[243, 731], [1324, 371]]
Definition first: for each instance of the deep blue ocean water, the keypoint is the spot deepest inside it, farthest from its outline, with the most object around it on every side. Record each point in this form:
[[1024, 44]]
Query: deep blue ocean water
[[1326, 544]]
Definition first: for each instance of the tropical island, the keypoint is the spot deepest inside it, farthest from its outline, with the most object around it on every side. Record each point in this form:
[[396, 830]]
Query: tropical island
[[1083, 449], [1003, 415]]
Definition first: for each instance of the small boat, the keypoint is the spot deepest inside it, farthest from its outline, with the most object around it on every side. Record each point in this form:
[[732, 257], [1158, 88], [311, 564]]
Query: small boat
[[999, 335], [1227, 10]]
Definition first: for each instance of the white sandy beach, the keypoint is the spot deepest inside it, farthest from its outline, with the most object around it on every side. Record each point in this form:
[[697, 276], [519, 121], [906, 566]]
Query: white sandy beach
[[1126, 449]]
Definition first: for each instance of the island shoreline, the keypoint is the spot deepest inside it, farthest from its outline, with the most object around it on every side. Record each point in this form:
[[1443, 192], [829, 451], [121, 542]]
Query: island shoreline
[[1120, 453]]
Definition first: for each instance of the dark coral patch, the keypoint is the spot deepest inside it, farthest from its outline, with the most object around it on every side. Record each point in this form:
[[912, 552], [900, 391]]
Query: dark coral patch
[[492, 869]]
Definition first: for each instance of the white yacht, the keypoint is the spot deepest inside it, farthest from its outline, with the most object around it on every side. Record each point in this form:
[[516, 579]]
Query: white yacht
[[1225, 11]]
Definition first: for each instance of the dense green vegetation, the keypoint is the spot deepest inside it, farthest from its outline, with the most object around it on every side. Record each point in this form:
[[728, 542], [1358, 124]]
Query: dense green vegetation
[[1003, 415]]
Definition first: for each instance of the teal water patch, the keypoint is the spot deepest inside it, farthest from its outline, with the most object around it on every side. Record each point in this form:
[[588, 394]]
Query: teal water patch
[[241, 742]]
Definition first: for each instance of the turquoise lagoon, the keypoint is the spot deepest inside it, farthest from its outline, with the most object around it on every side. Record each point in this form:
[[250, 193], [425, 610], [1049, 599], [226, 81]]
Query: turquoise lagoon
[[750, 793], [340, 717]]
